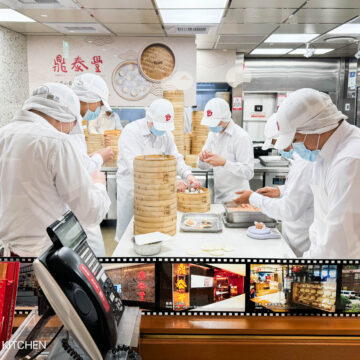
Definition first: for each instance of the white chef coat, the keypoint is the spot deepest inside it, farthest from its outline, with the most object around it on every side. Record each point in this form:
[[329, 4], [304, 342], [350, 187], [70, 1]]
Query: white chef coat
[[91, 163], [336, 186], [104, 122], [42, 177], [135, 140], [235, 145], [294, 207], [188, 119]]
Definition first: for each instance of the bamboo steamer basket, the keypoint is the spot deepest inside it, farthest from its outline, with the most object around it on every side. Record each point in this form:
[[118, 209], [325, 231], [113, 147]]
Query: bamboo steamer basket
[[199, 133], [155, 196], [111, 138], [187, 143], [188, 202], [191, 160], [94, 142]]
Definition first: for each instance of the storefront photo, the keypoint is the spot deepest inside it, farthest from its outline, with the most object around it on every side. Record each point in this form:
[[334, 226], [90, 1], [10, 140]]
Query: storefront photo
[[295, 288], [350, 289], [202, 287]]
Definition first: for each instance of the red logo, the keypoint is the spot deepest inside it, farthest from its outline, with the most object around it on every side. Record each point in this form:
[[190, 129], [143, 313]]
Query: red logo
[[167, 117], [278, 126], [209, 113]]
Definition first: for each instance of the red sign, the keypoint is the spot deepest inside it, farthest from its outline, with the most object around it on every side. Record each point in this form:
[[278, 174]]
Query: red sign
[[59, 64], [79, 64], [97, 61]]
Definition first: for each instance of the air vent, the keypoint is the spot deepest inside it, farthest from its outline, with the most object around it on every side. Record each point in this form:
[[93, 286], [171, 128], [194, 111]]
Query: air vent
[[40, 4], [187, 29], [76, 29], [80, 28]]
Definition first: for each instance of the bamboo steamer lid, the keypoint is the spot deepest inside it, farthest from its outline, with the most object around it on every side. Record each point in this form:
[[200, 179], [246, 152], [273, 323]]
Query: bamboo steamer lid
[[188, 202], [154, 161]]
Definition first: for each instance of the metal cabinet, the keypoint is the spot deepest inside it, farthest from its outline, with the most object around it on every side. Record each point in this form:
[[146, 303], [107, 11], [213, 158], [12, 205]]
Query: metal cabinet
[[111, 189]]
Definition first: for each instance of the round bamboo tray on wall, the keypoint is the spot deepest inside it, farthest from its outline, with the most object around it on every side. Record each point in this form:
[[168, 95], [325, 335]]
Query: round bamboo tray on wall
[[176, 97], [155, 194], [197, 203], [199, 133]]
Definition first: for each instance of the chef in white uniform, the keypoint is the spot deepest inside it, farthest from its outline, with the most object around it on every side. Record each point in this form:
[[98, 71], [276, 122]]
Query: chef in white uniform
[[141, 137], [292, 203], [41, 173], [320, 133], [228, 150], [108, 120], [93, 94]]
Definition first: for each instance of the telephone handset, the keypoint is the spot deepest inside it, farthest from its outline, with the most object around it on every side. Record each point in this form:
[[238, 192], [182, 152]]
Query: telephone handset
[[79, 289]]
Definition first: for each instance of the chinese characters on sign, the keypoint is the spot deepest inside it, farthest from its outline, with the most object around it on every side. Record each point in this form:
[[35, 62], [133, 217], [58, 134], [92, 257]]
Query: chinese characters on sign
[[78, 65], [141, 285]]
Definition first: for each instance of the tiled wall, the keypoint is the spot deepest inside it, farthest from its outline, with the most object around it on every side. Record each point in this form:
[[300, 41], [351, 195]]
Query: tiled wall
[[14, 79]]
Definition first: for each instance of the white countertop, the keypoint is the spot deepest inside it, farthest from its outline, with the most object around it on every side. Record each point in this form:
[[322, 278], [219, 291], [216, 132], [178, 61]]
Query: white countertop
[[235, 238]]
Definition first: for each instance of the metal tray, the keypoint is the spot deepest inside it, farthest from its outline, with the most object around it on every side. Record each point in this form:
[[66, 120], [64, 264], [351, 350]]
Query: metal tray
[[246, 216], [216, 225], [273, 161], [243, 225]]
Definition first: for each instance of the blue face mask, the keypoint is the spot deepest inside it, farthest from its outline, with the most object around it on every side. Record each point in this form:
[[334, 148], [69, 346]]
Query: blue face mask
[[157, 132], [92, 115], [287, 154], [216, 129], [306, 154]]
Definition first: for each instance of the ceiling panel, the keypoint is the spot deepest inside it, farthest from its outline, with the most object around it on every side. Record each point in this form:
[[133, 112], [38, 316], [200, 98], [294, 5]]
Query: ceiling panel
[[324, 44], [304, 28], [58, 15], [117, 4], [240, 39], [25, 28], [206, 38], [248, 29], [136, 29], [238, 16], [239, 48], [203, 45], [333, 4], [266, 4], [323, 16], [108, 16]]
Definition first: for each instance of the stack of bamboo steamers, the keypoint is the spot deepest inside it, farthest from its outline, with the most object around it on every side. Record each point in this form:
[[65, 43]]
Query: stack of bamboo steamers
[[176, 97], [155, 194], [199, 133]]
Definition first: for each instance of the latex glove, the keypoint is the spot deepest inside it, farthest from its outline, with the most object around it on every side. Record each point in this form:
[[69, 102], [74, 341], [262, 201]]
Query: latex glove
[[98, 177], [205, 154], [193, 182], [181, 186], [269, 192], [106, 153], [215, 160], [244, 197]]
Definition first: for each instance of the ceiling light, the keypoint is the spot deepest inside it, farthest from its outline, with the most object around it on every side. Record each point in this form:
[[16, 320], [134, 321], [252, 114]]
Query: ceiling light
[[303, 51], [290, 38], [194, 16], [9, 15], [43, 15], [346, 29], [270, 51], [191, 4]]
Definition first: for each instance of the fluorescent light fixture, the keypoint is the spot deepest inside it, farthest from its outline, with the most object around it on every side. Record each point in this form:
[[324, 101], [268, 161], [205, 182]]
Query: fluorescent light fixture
[[191, 4], [317, 51], [9, 15], [290, 38], [270, 51], [192, 16], [346, 29]]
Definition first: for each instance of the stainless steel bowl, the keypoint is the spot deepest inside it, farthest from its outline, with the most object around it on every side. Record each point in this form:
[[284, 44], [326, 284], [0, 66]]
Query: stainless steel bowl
[[147, 249]]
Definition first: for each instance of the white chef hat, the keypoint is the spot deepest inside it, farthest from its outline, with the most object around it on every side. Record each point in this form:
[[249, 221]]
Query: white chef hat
[[306, 111], [270, 133], [216, 110], [55, 100], [91, 88], [161, 114]]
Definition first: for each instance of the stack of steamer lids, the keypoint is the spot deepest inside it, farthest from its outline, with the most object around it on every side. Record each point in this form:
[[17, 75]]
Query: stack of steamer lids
[[94, 142], [155, 194], [199, 133], [176, 97], [187, 147], [112, 139]]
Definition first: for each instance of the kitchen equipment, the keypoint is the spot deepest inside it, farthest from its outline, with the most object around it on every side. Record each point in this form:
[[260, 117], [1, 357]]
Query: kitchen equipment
[[147, 249], [155, 194], [275, 178], [194, 203], [176, 97], [199, 220], [244, 225], [245, 216], [262, 234], [273, 161]]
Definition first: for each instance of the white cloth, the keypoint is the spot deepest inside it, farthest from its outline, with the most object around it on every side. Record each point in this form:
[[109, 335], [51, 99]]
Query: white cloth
[[42, 177], [294, 207], [135, 140], [188, 119], [336, 185], [104, 122], [235, 145]]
